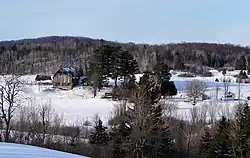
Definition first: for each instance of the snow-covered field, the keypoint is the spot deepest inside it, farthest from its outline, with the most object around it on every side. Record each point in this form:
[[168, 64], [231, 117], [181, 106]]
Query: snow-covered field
[[9, 150], [79, 103], [75, 105]]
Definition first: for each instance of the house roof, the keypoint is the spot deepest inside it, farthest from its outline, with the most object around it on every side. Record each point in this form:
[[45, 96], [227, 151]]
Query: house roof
[[230, 93], [69, 69]]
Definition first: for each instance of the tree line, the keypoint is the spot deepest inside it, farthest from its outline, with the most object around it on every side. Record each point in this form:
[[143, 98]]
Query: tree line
[[48, 54]]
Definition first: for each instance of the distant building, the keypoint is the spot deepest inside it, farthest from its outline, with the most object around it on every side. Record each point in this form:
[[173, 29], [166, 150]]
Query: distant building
[[66, 78], [42, 77], [229, 96]]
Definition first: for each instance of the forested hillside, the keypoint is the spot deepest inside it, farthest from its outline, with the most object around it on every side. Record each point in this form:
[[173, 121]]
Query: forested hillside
[[47, 54]]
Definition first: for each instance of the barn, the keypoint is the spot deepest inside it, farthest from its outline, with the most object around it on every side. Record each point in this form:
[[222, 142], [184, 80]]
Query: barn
[[66, 78]]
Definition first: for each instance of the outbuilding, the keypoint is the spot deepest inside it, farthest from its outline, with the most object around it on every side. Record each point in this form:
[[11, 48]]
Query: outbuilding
[[65, 78]]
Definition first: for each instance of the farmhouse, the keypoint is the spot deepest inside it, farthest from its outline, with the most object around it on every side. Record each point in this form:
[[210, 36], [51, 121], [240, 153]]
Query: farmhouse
[[66, 78]]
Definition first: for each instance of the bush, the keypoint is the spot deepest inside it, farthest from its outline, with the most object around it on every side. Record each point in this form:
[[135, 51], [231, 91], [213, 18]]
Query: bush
[[206, 74], [168, 88], [186, 75]]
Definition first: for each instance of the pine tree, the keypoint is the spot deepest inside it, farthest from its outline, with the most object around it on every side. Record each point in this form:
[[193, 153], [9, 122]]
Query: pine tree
[[162, 70], [107, 61], [248, 65], [222, 142], [119, 135], [179, 63], [242, 132], [159, 138], [128, 65], [100, 64], [150, 136], [168, 88], [241, 63], [115, 63], [206, 145], [100, 136], [131, 82]]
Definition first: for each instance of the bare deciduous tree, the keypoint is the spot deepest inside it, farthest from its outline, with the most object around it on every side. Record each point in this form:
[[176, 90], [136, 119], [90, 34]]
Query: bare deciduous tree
[[198, 115], [224, 110], [170, 109], [195, 89], [45, 112], [226, 84], [95, 79], [10, 100], [217, 88], [212, 109]]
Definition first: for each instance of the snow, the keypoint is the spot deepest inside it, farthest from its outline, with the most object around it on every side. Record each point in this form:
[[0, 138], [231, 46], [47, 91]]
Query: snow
[[75, 105], [10, 150], [69, 69], [78, 104]]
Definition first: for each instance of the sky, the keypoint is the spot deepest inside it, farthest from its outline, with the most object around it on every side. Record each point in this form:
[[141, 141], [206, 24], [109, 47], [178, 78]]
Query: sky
[[139, 21]]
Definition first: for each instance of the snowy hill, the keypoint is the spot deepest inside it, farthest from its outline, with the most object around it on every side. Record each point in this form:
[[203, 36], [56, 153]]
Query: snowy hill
[[9, 150]]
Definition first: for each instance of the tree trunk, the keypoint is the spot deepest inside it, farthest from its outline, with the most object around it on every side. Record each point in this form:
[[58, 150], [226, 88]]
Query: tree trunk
[[7, 132], [95, 91], [115, 82], [194, 101], [44, 131]]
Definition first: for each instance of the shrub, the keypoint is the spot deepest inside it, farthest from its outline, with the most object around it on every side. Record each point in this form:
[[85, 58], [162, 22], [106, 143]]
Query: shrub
[[206, 74], [186, 75], [168, 88]]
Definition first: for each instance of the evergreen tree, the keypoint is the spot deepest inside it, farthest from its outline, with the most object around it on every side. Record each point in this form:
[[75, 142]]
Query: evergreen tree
[[179, 63], [223, 144], [131, 82], [162, 70], [242, 75], [128, 65], [158, 138], [206, 145], [242, 132], [150, 136], [248, 65], [100, 64], [119, 135], [148, 85], [115, 67], [168, 88], [100, 136], [121, 64], [241, 63], [108, 68]]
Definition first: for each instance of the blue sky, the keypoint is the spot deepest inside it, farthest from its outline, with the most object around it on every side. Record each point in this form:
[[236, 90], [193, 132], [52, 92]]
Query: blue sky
[[140, 21]]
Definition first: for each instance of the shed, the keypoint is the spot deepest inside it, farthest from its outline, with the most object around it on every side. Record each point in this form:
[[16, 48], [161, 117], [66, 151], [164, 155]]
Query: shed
[[42, 77], [229, 96], [65, 78]]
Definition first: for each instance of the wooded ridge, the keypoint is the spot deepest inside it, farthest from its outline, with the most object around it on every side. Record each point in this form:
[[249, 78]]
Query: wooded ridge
[[48, 54]]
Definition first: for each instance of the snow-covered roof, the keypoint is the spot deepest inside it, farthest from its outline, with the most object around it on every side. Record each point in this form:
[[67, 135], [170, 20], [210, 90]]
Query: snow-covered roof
[[11, 150], [230, 93], [69, 69]]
